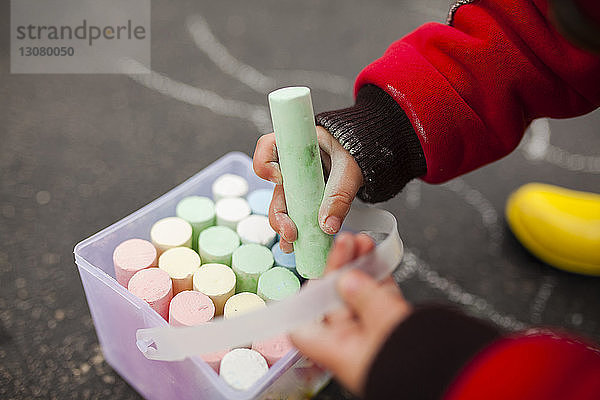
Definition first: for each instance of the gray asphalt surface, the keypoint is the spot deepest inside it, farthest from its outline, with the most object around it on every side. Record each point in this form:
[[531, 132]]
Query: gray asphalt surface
[[80, 152]]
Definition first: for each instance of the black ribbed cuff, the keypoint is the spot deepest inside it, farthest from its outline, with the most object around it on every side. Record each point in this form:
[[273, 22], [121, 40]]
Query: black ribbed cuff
[[380, 137], [426, 352]]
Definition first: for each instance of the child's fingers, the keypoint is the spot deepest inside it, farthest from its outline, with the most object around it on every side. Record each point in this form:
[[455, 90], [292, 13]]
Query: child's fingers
[[390, 286], [265, 160], [341, 252], [286, 247], [316, 342], [339, 317], [372, 303], [278, 217], [364, 244]]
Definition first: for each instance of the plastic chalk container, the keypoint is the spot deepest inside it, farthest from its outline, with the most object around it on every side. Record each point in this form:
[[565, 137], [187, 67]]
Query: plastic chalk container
[[120, 317]]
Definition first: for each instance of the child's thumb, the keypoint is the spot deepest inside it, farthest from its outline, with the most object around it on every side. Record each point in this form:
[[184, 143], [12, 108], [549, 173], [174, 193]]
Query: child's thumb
[[340, 190]]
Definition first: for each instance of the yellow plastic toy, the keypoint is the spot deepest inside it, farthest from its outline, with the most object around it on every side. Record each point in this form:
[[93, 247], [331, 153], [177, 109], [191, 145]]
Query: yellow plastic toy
[[559, 226]]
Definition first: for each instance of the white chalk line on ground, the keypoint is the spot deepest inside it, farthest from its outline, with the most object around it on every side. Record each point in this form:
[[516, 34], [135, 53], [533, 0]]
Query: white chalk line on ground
[[220, 56], [258, 115], [207, 42], [325, 81], [412, 194], [489, 216], [537, 147], [540, 301], [412, 265]]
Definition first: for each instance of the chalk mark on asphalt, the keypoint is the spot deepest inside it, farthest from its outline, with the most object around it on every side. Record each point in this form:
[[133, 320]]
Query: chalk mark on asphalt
[[489, 215], [537, 147], [538, 306], [207, 42], [413, 266], [258, 115]]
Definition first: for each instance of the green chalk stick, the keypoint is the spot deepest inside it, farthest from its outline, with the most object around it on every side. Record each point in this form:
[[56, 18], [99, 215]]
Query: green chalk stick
[[199, 212], [217, 244], [248, 262], [277, 284], [300, 163]]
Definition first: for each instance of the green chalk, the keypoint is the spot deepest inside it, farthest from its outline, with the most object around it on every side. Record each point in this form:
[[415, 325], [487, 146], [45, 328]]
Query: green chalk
[[300, 163], [277, 284], [249, 261], [199, 211], [216, 245]]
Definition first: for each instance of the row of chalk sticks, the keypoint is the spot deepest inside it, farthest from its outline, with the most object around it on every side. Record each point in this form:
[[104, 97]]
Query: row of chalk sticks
[[212, 259]]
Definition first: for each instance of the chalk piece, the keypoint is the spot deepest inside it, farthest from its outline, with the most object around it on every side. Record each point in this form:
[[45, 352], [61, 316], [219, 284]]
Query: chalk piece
[[256, 229], [131, 256], [273, 349], [260, 200], [190, 308], [241, 368], [216, 244], [217, 281], [230, 211], [242, 303], [199, 212], [248, 262], [277, 284], [302, 172], [214, 359], [286, 260], [229, 185], [171, 232], [153, 285], [180, 263]]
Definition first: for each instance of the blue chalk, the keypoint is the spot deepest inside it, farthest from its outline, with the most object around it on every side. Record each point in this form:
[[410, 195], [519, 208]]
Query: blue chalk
[[282, 259], [259, 201]]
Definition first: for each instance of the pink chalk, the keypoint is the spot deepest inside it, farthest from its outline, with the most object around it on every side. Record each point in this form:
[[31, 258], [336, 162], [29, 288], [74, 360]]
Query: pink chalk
[[132, 256], [190, 308], [273, 349], [154, 286], [214, 359]]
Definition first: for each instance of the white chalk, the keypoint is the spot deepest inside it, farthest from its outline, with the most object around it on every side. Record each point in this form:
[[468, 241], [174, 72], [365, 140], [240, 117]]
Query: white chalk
[[256, 229], [171, 232], [241, 368], [229, 185], [230, 211]]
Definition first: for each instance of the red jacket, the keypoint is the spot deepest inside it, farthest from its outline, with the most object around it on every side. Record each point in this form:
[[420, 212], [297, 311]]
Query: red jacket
[[442, 101], [472, 88]]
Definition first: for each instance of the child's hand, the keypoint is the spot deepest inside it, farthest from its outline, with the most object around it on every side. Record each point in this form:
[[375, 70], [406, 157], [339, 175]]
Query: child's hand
[[345, 178], [347, 341]]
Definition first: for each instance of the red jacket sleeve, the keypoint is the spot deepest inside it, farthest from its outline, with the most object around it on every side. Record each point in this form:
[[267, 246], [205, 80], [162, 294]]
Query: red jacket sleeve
[[440, 352], [470, 89], [538, 366]]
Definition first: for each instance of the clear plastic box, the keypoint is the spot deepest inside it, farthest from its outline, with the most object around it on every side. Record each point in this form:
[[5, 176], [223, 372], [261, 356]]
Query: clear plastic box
[[118, 314]]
